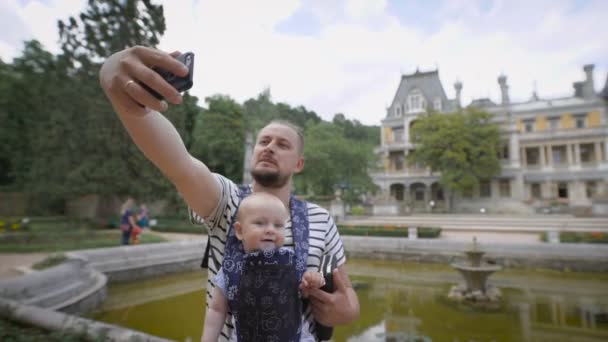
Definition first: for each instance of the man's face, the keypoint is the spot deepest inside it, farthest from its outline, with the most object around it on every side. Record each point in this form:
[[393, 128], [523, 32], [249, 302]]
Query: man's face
[[276, 156], [263, 226]]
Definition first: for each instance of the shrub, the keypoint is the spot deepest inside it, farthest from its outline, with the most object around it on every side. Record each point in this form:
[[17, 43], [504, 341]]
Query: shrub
[[579, 237], [357, 210], [388, 231]]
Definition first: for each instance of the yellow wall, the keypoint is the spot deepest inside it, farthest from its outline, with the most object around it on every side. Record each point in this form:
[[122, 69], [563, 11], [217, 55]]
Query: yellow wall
[[520, 125], [387, 164], [594, 119], [388, 135], [566, 121], [541, 123]]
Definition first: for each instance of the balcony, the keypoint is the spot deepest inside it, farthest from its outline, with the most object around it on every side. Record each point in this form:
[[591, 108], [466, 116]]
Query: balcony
[[560, 134]]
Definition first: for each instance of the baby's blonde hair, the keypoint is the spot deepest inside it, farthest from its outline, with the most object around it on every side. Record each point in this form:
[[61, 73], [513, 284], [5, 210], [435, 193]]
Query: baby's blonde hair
[[254, 198]]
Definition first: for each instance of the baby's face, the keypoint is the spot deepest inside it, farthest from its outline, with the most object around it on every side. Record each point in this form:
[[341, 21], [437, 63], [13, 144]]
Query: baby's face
[[264, 227]]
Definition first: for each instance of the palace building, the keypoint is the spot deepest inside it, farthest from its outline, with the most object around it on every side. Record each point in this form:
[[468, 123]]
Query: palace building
[[554, 152]]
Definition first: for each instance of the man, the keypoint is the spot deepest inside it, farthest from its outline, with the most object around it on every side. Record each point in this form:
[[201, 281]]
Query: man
[[277, 156]]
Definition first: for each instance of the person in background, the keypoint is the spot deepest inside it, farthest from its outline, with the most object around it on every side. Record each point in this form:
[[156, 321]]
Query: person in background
[[127, 219]]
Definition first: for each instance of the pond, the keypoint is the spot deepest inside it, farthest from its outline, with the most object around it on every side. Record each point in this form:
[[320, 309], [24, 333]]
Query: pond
[[399, 302]]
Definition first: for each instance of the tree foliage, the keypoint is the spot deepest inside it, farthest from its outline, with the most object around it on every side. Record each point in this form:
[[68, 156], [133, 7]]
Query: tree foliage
[[461, 146], [220, 137], [60, 138]]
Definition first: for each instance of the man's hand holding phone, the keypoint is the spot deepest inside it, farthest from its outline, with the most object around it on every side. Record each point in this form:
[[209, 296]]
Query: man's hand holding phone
[[123, 74]]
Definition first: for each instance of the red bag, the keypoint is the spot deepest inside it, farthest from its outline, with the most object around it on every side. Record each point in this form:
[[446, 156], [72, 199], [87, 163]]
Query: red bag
[[136, 231]]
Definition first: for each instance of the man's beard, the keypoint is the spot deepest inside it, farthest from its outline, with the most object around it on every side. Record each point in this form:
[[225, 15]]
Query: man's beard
[[269, 179]]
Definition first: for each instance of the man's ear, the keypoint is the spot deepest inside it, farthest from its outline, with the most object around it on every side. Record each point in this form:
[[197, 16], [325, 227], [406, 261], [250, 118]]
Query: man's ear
[[299, 164], [238, 230]]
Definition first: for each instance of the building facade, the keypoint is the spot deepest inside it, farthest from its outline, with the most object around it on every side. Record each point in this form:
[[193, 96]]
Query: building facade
[[554, 152]]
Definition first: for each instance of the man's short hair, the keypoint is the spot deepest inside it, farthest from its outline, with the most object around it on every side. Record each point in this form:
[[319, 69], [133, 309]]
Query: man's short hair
[[294, 127]]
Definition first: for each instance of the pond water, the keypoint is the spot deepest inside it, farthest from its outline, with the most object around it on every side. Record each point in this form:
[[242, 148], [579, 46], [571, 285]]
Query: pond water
[[399, 302]]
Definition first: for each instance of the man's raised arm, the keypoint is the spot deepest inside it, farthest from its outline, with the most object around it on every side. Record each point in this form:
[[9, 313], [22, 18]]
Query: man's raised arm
[[155, 136]]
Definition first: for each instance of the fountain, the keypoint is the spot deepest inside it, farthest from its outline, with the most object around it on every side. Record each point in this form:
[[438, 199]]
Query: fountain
[[475, 291]]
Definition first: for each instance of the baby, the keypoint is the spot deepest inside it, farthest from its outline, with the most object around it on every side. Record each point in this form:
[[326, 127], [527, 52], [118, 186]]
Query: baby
[[260, 226]]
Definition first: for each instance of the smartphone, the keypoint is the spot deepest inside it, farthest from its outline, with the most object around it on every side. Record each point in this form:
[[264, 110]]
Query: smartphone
[[181, 84], [328, 265]]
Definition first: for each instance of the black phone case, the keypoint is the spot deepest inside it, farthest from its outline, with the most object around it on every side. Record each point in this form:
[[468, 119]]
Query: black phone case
[[328, 265], [181, 84]]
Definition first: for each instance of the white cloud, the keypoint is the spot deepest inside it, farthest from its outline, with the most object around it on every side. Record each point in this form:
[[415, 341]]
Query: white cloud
[[35, 20], [354, 61]]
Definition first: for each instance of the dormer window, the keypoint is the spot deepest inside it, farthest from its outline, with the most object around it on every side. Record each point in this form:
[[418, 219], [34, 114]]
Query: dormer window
[[415, 101], [437, 104]]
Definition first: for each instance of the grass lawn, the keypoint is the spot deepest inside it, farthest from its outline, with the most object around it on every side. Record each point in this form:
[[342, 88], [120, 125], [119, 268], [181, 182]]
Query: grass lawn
[[60, 234]]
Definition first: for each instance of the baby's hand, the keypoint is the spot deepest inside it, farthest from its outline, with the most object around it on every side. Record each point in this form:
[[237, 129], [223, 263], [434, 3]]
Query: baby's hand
[[312, 280]]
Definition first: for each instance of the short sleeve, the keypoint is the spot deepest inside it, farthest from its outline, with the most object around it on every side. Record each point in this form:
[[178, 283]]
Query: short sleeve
[[225, 206], [220, 281]]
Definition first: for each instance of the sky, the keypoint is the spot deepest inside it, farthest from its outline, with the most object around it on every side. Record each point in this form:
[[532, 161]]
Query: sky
[[347, 56]]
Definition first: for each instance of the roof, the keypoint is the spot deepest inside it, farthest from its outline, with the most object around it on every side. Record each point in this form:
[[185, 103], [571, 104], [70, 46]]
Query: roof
[[427, 82]]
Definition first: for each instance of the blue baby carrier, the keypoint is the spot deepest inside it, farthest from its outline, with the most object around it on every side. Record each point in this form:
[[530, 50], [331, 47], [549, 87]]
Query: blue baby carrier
[[262, 287]]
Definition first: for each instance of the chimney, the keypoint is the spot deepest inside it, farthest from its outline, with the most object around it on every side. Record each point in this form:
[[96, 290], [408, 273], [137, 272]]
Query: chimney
[[578, 89], [458, 87], [504, 89], [588, 87], [604, 93]]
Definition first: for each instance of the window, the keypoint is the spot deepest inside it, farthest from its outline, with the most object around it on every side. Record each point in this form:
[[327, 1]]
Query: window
[[580, 120], [554, 123], [532, 156], [398, 134], [535, 191], [504, 186], [485, 189], [397, 191], [587, 153], [562, 190], [590, 189], [437, 104], [397, 159], [503, 152], [415, 101], [529, 126], [419, 194], [398, 111], [559, 155]]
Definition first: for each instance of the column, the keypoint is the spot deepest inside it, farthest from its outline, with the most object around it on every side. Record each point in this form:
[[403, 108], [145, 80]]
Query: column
[[517, 187], [495, 188], [522, 153], [541, 156], [427, 198], [577, 154], [606, 150], [513, 149], [569, 156], [549, 156], [598, 152], [545, 190]]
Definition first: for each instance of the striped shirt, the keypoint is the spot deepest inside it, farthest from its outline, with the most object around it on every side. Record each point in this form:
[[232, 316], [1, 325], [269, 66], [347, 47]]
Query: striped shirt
[[323, 239]]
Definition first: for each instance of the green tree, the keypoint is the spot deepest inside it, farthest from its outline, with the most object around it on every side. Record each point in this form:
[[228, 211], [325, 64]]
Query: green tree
[[107, 26], [461, 146], [332, 160], [219, 137], [109, 163]]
